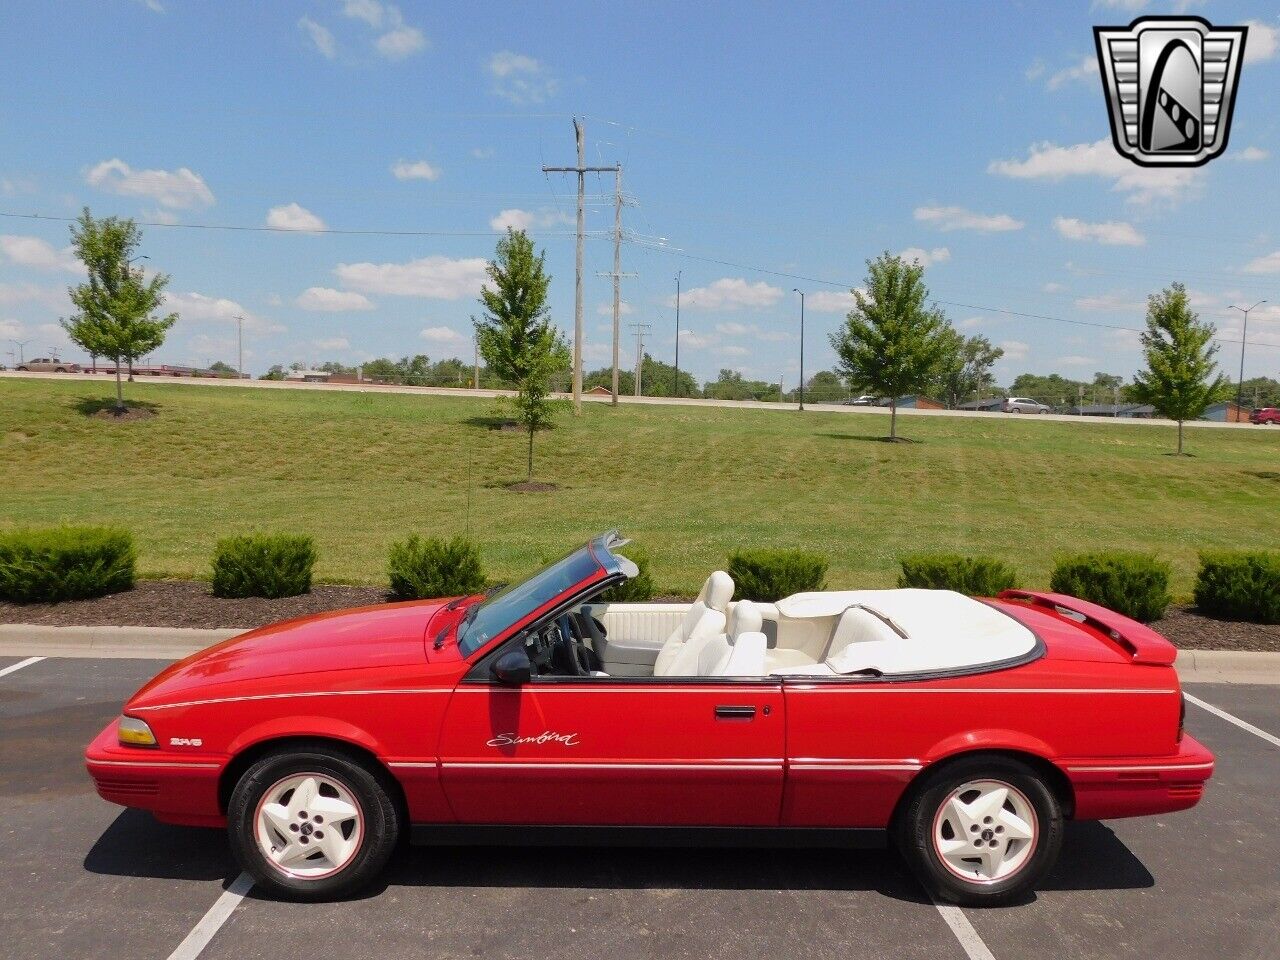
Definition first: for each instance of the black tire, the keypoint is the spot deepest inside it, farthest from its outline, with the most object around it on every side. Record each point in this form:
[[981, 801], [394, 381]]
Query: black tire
[[380, 830], [915, 826]]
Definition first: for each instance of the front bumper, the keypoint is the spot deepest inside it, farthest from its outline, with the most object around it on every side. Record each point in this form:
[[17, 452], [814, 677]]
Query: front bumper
[[178, 788], [1137, 787]]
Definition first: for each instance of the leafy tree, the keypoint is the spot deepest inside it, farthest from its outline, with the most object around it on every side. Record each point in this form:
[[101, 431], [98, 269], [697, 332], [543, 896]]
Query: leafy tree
[[1261, 391], [276, 372], [223, 369], [965, 368], [656, 380], [117, 302], [1179, 379], [334, 366], [731, 385], [892, 343], [515, 335], [825, 386]]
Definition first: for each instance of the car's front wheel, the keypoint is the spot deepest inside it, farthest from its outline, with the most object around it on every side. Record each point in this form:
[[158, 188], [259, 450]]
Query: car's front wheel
[[981, 831], [313, 824]]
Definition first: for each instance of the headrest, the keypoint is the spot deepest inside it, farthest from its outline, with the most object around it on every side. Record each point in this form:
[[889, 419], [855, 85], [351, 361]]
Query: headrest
[[717, 591], [746, 618]]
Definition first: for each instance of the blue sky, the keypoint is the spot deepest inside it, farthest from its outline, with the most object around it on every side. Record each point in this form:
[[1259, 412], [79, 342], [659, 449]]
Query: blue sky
[[797, 138]]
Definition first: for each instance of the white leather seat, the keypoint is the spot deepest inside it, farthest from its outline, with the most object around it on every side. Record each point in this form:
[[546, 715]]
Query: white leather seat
[[705, 621], [741, 651]]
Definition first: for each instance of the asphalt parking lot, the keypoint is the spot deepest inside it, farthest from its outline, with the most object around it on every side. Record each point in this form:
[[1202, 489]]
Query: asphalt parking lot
[[82, 878]]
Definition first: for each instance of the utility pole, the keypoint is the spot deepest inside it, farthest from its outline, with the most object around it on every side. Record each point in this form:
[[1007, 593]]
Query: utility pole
[[20, 344], [801, 387], [675, 387], [239, 346], [1244, 336], [617, 275], [640, 329], [475, 345], [581, 170]]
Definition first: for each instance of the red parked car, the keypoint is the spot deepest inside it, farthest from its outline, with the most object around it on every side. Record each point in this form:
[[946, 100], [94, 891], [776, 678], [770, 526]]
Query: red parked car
[[1265, 415], [968, 731]]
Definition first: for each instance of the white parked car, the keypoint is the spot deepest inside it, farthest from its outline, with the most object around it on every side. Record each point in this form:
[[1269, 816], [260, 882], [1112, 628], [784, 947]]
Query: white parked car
[[1022, 405]]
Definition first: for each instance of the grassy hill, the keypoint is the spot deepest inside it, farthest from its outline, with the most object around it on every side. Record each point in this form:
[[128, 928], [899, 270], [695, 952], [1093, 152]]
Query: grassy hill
[[690, 484]]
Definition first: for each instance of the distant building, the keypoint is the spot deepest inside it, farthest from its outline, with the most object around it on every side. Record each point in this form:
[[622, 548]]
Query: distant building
[[599, 390], [918, 402], [1227, 412], [308, 376]]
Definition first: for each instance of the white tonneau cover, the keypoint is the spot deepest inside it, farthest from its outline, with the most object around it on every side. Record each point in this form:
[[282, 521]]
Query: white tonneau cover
[[944, 631]]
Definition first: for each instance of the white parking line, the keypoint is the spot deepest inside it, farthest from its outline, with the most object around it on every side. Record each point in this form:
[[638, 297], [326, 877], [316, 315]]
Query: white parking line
[[1242, 724], [15, 667], [974, 946], [212, 921]]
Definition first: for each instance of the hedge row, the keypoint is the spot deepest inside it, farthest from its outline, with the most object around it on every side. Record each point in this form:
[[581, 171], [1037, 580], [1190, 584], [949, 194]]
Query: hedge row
[[71, 563]]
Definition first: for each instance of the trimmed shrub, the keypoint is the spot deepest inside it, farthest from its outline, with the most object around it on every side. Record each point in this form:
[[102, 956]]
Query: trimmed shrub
[[1135, 584], [263, 565], [770, 575], [1239, 585], [422, 568], [973, 576], [65, 563], [636, 590]]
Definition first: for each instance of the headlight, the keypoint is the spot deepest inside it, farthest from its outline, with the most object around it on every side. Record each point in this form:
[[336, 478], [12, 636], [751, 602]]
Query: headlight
[[133, 732]]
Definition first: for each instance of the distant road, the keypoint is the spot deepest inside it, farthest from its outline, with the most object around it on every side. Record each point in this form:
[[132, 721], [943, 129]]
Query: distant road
[[654, 401]]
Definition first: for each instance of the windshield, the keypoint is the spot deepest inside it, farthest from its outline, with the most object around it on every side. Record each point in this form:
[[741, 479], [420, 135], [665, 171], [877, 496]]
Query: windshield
[[514, 602]]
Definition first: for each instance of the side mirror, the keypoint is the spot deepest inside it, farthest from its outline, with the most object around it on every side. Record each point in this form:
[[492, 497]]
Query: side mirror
[[513, 669]]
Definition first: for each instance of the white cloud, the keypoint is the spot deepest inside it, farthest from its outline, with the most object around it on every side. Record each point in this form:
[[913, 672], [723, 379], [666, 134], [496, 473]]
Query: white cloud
[[155, 6], [52, 298], [1128, 5], [1111, 232], [734, 351], [1084, 69], [445, 335], [1072, 360], [10, 328], [333, 343], [1015, 349], [926, 258], [415, 170], [958, 218], [606, 309], [729, 293], [971, 323], [525, 219], [1249, 155], [733, 329], [180, 189], [435, 277], [200, 307], [482, 153], [1263, 42], [1144, 185], [161, 216], [328, 300], [1052, 287], [1111, 303], [1036, 70], [370, 11], [695, 340], [521, 79], [34, 252], [1267, 264], [400, 42], [320, 36], [830, 301], [291, 216]]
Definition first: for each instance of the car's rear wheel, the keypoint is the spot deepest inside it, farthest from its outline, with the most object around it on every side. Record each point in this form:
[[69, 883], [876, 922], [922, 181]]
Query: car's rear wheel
[[313, 824], [981, 831]]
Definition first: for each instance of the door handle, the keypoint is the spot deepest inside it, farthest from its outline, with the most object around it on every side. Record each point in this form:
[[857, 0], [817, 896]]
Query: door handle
[[730, 712]]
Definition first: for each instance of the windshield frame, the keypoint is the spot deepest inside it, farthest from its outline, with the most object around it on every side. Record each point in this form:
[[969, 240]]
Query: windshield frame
[[525, 603]]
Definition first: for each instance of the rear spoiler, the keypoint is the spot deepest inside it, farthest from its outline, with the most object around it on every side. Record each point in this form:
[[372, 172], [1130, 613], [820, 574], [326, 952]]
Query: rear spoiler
[[1142, 643]]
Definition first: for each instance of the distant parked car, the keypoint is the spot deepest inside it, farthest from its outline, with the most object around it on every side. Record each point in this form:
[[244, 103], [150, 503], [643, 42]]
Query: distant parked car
[[1265, 415], [1022, 405], [866, 400], [48, 365]]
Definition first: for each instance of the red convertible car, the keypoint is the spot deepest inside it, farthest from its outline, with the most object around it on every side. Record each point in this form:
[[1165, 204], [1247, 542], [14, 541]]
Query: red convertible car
[[966, 730]]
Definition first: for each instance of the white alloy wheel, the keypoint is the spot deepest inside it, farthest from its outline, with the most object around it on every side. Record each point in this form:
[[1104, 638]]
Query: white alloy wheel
[[309, 826], [985, 831]]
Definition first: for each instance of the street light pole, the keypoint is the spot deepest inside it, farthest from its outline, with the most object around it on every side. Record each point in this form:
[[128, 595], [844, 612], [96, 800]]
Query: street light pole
[[675, 385], [1244, 337], [801, 292], [239, 346]]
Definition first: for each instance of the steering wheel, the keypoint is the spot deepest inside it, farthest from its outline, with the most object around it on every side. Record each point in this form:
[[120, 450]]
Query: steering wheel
[[575, 655]]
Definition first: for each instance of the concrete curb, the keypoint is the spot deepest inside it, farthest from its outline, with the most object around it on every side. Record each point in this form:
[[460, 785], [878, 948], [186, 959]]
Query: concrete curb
[[142, 643], [174, 643]]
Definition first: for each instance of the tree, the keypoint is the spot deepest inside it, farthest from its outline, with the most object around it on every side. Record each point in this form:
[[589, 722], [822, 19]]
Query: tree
[[1179, 355], [275, 373], [891, 343], [117, 303], [516, 337], [965, 367], [825, 386]]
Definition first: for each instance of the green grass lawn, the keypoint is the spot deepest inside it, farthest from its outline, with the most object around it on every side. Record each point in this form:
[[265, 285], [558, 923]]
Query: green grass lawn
[[690, 484]]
